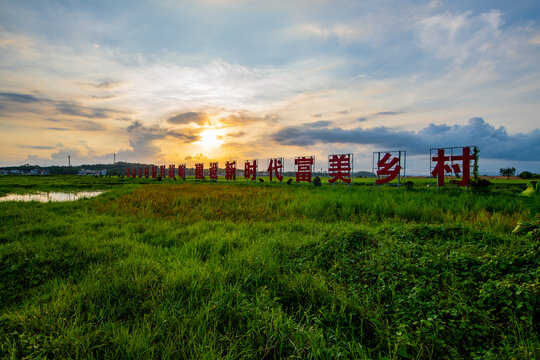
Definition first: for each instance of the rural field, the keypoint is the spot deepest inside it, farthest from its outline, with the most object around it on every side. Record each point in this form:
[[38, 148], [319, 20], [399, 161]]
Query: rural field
[[171, 270]]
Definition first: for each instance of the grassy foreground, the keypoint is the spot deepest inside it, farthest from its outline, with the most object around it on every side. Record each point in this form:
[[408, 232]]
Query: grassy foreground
[[205, 271]]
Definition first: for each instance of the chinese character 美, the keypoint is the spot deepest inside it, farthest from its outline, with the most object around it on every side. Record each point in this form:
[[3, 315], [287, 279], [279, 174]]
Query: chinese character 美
[[339, 168]]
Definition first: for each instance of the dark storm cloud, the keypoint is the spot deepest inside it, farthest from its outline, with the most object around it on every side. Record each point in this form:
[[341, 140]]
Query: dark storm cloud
[[188, 117], [361, 119], [494, 143]]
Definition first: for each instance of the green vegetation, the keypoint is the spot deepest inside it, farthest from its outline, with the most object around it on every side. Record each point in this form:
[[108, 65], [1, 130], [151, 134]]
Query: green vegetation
[[267, 271]]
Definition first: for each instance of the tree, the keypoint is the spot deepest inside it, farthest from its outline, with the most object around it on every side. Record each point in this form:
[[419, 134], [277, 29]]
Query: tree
[[507, 172]]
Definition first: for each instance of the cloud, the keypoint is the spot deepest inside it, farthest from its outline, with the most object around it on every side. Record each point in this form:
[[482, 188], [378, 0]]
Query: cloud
[[236, 135], [389, 113], [316, 115], [494, 143], [361, 119], [58, 129], [20, 98], [37, 147], [344, 112], [154, 132], [188, 117], [318, 124]]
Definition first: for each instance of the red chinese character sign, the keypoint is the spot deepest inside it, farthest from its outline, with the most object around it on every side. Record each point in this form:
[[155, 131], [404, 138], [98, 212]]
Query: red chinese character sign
[[304, 168], [154, 172], [146, 172], [340, 168], [134, 173], [162, 171], [230, 170], [214, 171], [250, 170], [447, 161], [275, 168], [128, 174], [182, 171], [171, 171], [388, 166], [199, 171]]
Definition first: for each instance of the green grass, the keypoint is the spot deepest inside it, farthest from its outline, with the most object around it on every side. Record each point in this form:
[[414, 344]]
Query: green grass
[[205, 271]]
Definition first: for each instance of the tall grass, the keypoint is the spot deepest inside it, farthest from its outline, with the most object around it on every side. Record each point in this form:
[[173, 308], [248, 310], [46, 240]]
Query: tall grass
[[215, 271]]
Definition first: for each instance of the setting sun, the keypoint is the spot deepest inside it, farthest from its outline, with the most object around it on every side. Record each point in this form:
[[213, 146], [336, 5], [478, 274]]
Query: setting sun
[[211, 138]]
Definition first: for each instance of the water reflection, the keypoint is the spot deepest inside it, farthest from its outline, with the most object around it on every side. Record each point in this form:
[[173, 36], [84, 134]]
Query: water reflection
[[51, 196]]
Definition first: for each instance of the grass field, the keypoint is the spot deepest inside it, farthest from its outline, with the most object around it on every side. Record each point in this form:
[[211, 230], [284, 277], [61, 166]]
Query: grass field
[[266, 271]]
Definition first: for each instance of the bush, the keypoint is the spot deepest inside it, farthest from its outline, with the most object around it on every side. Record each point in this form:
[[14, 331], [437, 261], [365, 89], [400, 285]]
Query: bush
[[480, 185], [317, 181]]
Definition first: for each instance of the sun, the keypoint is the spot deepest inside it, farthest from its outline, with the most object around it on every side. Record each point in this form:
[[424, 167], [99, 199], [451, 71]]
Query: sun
[[211, 138]]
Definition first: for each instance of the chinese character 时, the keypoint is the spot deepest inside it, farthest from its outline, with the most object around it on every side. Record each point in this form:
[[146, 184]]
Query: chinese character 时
[[134, 173], [128, 174], [162, 171], [146, 172], [275, 167], [389, 169], [250, 170], [466, 158], [182, 171], [339, 168], [154, 172], [171, 171], [214, 171], [199, 171], [304, 168], [441, 167], [230, 170]]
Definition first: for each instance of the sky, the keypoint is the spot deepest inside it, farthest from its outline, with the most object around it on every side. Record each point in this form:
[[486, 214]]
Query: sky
[[171, 82]]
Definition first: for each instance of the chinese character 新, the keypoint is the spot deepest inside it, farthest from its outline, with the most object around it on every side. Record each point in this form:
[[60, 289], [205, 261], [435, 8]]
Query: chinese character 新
[[230, 170]]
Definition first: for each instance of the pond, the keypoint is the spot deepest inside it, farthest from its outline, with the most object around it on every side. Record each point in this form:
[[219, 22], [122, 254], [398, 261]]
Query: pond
[[51, 196]]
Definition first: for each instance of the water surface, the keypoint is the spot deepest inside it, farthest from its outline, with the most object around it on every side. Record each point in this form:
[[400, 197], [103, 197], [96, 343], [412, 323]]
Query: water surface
[[51, 196]]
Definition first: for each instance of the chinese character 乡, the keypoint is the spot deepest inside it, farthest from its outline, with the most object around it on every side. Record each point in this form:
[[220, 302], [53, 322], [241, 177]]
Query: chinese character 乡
[[389, 169]]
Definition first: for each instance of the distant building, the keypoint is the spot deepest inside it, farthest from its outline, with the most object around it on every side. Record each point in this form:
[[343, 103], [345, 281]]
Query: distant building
[[92, 172]]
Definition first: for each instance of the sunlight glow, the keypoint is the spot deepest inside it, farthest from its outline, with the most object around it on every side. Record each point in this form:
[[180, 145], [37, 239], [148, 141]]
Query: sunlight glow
[[211, 138]]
